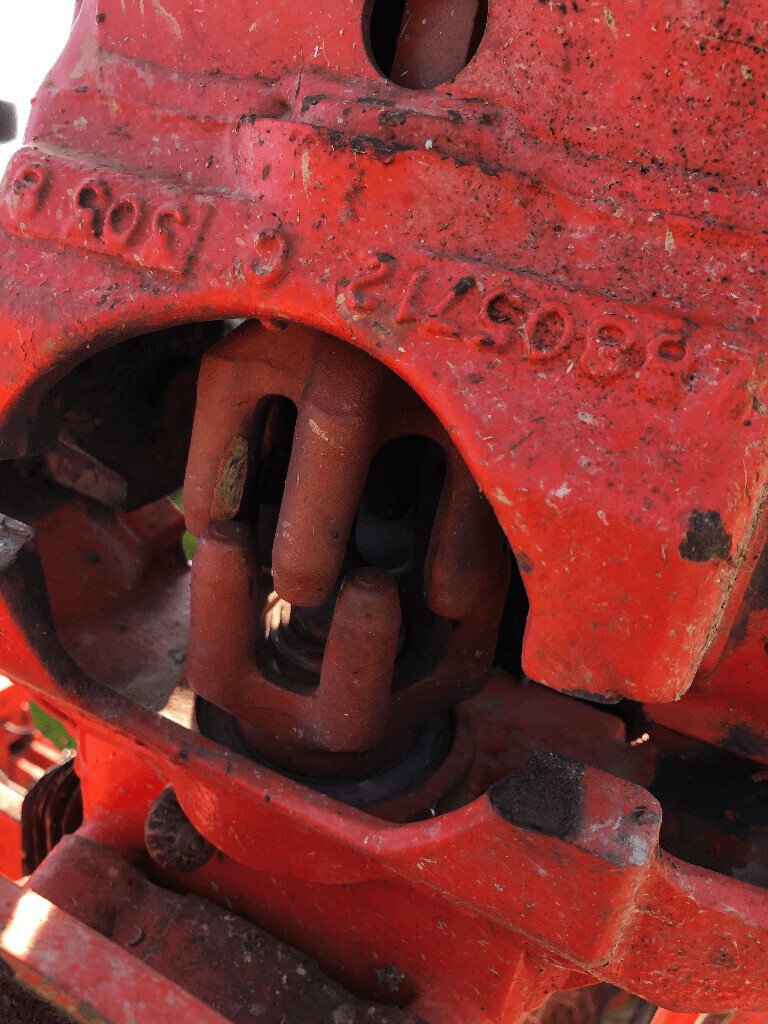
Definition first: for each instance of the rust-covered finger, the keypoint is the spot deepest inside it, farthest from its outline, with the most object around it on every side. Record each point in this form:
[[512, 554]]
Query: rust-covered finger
[[466, 548], [354, 695], [335, 439], [224, 612]]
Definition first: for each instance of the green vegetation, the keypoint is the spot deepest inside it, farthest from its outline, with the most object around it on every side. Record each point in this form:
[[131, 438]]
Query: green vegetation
[[51, 727], [189, 543]]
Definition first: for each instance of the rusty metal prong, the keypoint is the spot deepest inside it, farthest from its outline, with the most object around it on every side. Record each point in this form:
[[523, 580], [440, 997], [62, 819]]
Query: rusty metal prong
[[334, 443], [354, 694], [466, 548], [218, 451], [223, 619]]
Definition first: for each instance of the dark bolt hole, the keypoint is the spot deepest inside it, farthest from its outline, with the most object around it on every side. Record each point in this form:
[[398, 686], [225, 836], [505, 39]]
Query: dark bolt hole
[[399, 29]]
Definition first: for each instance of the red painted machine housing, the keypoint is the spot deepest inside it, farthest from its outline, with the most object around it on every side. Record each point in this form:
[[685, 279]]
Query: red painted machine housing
[[562, 252], [621, 240]]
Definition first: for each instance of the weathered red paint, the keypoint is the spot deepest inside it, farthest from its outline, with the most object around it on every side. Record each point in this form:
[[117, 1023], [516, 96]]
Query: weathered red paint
[[606, 251], [83, 972], [598, 894], [562, 251], [163, 930]]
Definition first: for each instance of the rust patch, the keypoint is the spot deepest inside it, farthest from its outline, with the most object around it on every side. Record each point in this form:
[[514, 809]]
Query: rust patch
[[543, 795], [706, 539], [171, 839], [231, 479], [524, 563]]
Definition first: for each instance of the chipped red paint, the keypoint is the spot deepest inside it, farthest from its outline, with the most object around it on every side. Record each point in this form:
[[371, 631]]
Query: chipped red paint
[[561, 249]]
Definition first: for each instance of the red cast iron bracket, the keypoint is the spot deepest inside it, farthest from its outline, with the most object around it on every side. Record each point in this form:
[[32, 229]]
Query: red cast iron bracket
[[564, 255], [555, 870], [580, 323]]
